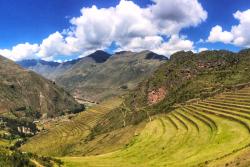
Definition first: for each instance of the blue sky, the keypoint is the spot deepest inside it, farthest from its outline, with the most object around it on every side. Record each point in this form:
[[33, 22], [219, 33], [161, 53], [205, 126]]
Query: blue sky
[[25, 24]]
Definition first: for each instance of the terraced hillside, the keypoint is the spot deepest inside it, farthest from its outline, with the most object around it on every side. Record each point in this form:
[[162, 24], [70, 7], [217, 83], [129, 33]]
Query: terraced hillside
[[64, 136], [212, 132]]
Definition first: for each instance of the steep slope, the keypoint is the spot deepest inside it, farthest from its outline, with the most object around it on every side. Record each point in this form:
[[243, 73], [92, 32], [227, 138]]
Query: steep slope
[[209, 132], [197, 113], [25, 94], [25, 97], [206, 133], [185, 77], [120, 73]]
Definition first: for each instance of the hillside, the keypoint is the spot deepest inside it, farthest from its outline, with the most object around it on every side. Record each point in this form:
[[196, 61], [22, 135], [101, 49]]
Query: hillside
[[184, 77], [119, 74], [26, 95], [24, 98], [199, 115], [211, 132]]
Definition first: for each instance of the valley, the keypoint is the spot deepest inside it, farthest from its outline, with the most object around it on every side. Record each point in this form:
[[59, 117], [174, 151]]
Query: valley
[[124, 83], [192, 110], [207, 133]]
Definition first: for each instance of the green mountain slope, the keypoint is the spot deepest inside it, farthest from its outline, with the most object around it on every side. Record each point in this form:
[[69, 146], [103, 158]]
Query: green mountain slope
[[210, 132], [193, 111], [184, 77], [26, 95]]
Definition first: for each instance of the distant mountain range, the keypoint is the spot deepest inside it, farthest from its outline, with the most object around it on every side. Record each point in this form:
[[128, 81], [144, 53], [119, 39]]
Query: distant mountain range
[[100, 74], [52, 70]]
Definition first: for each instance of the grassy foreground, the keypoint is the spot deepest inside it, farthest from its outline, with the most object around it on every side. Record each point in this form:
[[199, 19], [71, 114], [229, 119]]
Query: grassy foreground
[[208, 133]]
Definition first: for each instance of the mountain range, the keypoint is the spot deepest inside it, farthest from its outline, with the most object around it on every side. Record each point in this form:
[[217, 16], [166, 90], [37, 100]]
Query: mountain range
[[148, 106], [99, 75]]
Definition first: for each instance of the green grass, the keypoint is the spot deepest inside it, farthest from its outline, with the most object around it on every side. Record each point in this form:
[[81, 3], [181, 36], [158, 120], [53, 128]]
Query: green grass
[[63, 137], [206, 133]]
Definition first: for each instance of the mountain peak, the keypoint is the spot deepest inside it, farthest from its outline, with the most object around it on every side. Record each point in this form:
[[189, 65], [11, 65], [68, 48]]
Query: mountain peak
[[99, 56]]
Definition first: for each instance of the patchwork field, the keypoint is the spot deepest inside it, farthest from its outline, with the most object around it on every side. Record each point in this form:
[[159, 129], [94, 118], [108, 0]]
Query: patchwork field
[[213, 132]]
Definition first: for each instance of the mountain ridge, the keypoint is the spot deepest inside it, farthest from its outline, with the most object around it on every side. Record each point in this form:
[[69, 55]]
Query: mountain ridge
[[100, 75]]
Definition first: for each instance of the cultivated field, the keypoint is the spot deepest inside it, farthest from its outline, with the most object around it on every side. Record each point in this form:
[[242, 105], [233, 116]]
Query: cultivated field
[[213, 132], [62, 136]]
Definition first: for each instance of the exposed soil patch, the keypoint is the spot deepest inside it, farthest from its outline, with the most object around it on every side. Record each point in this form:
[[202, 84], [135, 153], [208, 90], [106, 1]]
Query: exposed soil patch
[[156, 96]]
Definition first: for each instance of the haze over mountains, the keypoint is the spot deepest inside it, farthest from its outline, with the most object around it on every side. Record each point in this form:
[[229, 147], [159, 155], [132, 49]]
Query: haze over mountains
[[99, 75]]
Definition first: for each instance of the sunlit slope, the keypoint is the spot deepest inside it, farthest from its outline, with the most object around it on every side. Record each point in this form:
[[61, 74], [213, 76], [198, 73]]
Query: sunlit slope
[[206, 133], [62, 136]]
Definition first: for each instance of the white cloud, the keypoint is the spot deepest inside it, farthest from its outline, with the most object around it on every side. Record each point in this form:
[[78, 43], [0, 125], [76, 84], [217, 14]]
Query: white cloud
[[202, 49], [239, 35], [54, 45], [135, 28], [130, 26], [171, 16], [217, 35], [174, 44], [21, 51]]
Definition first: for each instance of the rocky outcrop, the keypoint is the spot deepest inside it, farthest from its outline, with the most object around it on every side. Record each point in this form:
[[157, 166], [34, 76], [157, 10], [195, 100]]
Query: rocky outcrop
[[156, 96]]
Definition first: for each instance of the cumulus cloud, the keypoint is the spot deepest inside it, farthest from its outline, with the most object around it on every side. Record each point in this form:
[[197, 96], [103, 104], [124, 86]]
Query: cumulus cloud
[[174, 44], [171, 16], [21, 51], [54, 45], [216, 34], [239, 35], [130, 26]]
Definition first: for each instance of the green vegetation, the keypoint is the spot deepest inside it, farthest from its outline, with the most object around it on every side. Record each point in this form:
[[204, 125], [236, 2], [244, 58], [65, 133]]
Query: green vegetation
[[26, 95], [186, 76], [68, 136], [11, 157], [194, 111], [199, 134], [18, 159]]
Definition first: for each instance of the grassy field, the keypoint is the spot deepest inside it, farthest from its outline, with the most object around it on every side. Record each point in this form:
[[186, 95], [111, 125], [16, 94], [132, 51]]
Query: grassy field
[[64, 136], [212, 132]]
